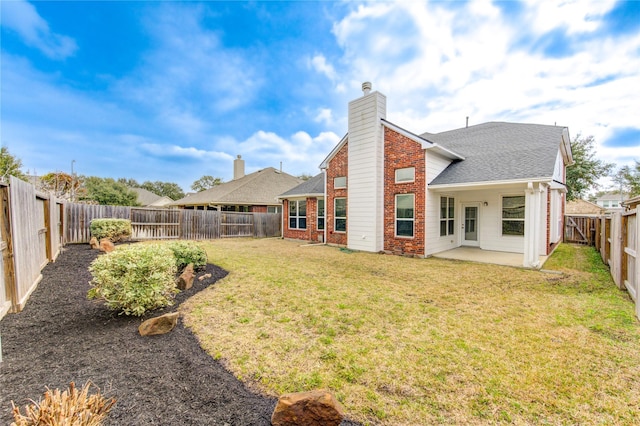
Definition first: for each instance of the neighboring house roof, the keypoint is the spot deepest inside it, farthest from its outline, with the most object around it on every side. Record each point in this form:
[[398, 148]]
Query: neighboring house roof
[[611, 197], [311, 187], [149, 199], [578, 207], [257, 188], [498, 151]]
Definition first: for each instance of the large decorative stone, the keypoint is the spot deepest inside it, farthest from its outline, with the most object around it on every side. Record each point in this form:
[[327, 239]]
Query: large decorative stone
[[185, 280], [106, 245], [313, 408], [94, 243], [159, 325]]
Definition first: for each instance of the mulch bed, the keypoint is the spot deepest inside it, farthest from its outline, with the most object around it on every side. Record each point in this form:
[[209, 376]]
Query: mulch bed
[[61, 337]]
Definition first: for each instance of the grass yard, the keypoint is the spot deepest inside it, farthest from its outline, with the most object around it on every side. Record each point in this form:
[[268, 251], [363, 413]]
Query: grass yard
[[404, 341]]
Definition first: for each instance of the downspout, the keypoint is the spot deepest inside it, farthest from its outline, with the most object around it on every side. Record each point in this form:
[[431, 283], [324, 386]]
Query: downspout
[[326, 206]]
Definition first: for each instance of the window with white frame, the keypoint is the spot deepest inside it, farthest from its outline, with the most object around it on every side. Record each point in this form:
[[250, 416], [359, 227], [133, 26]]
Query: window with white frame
[[405, 214], [340, 182], [273, 209], [513, 215], [298, 214], [447, 216], [320, 214], [408, 174], [340, 215]]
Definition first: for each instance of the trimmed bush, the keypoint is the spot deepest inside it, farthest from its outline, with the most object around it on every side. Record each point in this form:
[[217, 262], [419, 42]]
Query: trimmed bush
[[73, 407], [188, 252], [134, 278], [113, 229]]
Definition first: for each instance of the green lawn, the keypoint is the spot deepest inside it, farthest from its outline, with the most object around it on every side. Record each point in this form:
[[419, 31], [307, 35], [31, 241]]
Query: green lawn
[[404, 341]]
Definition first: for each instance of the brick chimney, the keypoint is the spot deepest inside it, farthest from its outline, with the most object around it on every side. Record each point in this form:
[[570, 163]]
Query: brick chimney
[[238, 168]]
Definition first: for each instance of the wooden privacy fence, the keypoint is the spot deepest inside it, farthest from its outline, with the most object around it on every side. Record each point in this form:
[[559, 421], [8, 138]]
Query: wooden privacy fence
[[616, 237], [580, 229], [156, 224], [31, 230]]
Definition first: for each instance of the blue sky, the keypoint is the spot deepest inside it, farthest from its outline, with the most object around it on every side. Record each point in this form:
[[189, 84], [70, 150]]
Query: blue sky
[[172, 91]]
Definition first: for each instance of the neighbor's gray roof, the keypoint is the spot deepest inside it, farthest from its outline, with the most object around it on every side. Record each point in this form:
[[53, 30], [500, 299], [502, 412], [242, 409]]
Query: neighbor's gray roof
[[313, 186], [258, 188], [497, 151], [148, 198]]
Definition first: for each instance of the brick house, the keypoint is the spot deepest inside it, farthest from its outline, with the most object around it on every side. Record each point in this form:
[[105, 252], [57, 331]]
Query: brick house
[[496, 186]]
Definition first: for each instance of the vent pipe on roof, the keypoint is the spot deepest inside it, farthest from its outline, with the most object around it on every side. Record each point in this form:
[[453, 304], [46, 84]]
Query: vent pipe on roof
[[366, 87], [467, 121], [281, 167], [238, 168]]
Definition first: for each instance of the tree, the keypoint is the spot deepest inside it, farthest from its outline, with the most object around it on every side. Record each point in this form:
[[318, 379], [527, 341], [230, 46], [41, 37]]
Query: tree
[[10, 166], [164, 189], [131, 183], [305, 176], [628, 179], [583, 175], [206, 182], [107, 191], [62, 185]]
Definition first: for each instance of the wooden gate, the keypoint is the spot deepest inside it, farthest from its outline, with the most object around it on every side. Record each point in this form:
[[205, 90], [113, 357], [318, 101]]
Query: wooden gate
[[6, 261], [580, 230], [629, 252], [154, 224]]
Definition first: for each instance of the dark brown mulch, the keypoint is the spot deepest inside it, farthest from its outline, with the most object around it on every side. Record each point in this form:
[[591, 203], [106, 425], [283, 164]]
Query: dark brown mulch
[[62, 337]]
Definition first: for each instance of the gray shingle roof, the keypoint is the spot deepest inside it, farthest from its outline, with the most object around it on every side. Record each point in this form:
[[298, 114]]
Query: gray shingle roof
[[258, 188], [313, 186], [498, 151], [145, 197]]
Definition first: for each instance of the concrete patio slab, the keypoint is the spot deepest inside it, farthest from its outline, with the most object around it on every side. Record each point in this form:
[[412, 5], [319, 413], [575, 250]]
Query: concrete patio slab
[[475, 254]]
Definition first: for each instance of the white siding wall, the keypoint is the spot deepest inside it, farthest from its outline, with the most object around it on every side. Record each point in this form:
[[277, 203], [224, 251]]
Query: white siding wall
[[556, 215], [489, 223], [558, 169], [434, 243], [365, 173]]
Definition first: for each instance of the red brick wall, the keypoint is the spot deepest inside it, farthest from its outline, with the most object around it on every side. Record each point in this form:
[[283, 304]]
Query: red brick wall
[[309, 234], [258, 209], [401, 152], [337, 167]]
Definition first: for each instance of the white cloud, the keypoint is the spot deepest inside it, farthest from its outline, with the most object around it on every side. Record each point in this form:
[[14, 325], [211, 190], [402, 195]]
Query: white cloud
[[161, 150], [23, 18], [319, 64], [438, 63], [324, 115]]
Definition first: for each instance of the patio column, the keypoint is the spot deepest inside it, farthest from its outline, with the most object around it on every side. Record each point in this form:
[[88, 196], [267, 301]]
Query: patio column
[[532, 227]]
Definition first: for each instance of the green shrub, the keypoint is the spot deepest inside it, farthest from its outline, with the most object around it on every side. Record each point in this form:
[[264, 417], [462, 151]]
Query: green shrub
[[113, 229], [188, 252], [70, 407], [134, 278]]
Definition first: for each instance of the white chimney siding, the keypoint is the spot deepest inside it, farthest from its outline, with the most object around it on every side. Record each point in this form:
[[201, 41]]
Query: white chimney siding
[[238, 168], [366, 172]]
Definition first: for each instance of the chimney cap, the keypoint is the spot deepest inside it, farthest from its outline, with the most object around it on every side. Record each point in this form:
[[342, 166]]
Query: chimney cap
[[239, 156], [366, 87]]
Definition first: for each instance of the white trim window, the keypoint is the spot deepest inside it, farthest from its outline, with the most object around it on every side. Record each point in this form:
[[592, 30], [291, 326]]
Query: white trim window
[[320, 215], [340, 215], [405, 215], [298, 214], [408, 174], [513, 215], [273, 209], [447, 216], [340, 182]]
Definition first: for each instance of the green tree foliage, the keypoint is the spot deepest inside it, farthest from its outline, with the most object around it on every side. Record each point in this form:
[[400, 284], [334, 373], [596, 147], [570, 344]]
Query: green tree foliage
[[107, 191], [131, 183], [583, 175], [164, 189], [305, 176], [206, 182], [628, 179], [10, 165]]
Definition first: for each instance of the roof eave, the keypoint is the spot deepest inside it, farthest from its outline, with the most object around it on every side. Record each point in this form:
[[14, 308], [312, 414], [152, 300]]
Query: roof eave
[[334, 151], [476, 185]]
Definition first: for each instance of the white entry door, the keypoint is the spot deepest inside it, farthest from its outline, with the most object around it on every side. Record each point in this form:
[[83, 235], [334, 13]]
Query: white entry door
[[471, 224]]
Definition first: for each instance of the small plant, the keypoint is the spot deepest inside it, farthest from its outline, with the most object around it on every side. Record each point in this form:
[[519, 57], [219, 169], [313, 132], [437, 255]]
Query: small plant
[[134, 278], [113, 229], [73, 407], [188, 252]]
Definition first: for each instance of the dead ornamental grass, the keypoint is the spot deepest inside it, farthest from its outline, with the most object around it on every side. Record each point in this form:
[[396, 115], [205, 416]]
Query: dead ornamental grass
[[420, 341]]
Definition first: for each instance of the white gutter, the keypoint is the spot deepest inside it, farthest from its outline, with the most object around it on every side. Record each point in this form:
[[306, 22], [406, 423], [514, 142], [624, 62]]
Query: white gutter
[[464, 185]]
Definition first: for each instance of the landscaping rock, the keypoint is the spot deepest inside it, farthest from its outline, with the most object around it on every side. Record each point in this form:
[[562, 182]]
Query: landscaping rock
[[159, 325], [204, 277], [106, 245], [313, 408], [185, 280], [94, 243]]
